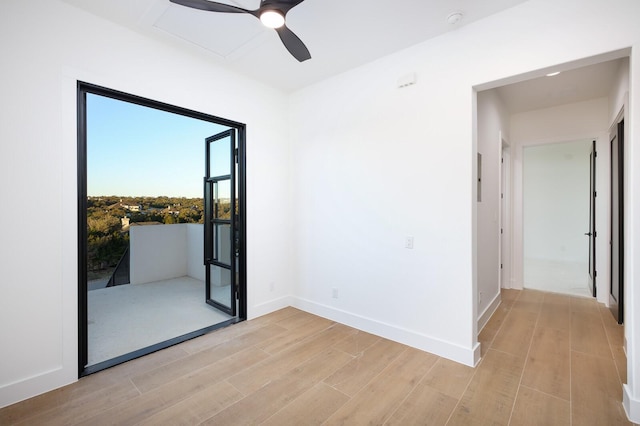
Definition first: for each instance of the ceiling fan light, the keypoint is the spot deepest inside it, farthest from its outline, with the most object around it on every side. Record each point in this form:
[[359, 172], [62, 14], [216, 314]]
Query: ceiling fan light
[[272, 18]]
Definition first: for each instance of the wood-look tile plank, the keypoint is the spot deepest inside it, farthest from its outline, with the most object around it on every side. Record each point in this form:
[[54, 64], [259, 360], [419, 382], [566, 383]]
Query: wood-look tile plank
[[509, 294], [515, 335], [141, 365], [251, 379], [588, 335], [529, 300], [584, 304], [351, 378], [311, 408], [615, 334], [620, 358], [84, 407], [357, 342], [449, 377], [596, 392], [498, 317], [533, 408], [424, 406], [607, 317], [198, 407], [548, 364], [269, 399], [382, 396], [233, 331], [298, 319], [220, 336], [150, 403], [295, 335], [160, 376], [491, 393], [485, 338], [276, 316], [87, 386], [555, 312]]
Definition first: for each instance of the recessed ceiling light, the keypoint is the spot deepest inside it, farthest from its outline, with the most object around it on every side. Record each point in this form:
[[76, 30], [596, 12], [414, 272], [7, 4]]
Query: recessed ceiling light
[[551, 74], [454, 18]]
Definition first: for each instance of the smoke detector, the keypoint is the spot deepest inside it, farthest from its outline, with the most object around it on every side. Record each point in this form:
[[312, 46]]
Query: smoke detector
[[454, 18]]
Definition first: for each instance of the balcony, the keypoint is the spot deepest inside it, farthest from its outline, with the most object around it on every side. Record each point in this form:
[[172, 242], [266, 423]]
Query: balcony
[[165, 298]]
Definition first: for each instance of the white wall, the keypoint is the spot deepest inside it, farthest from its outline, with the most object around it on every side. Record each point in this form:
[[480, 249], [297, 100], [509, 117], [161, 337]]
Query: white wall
[[493, 126], [195, 251], [47, 46], [556, 202], [161, 252], [157, 252], [374, 164]]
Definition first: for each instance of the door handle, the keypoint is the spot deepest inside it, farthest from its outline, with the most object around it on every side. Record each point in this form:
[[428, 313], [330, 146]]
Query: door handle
[[587, 233]]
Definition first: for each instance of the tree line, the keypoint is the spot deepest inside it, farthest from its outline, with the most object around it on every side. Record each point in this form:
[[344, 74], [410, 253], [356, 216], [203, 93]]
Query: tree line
[[109, 218]]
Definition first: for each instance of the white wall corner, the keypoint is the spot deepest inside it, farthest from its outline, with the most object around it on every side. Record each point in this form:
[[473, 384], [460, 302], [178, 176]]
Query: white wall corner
[[452, 351], [631, 405], [488, 312], [269, 306]]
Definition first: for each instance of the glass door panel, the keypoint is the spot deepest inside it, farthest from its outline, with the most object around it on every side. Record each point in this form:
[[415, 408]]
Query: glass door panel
[[220, 241]]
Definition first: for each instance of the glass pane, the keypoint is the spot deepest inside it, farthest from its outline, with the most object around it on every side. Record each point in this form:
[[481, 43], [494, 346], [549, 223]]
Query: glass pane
[[220, 157], [223, 243], [220, 290], [222, 200]]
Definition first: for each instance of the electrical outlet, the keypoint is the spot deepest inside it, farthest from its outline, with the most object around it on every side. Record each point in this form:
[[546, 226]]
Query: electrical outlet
[[272, 286], [408, 242], [479, 298], [334, 293]]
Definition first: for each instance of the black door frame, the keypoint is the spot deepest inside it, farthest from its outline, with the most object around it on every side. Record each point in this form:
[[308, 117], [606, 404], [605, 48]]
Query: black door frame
[[82, 89], [616, 306], [592, 219]]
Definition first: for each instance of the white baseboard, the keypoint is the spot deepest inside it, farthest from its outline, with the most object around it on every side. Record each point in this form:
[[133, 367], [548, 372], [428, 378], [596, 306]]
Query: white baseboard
[[466, 356], [269, 306], [631, 405], [29, 387], [488, 312]]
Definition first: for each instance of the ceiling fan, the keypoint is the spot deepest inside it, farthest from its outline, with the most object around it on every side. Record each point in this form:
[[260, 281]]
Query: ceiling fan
[[272, 13]]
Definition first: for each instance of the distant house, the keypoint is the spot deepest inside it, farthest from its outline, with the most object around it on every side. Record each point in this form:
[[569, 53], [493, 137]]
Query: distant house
[[131, 208]]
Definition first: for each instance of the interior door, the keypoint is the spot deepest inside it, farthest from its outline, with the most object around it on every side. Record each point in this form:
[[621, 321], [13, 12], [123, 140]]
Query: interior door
[[617, 223], [221, 221], [592, 219]]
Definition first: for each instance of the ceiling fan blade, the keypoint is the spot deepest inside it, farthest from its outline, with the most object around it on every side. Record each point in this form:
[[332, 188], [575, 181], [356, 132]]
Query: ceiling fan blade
[[294, 45], [283, 6], [211, 6]]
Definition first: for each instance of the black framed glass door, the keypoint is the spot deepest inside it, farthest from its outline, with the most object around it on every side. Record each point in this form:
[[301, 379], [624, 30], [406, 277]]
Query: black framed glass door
[[107, 335], [221, 230]]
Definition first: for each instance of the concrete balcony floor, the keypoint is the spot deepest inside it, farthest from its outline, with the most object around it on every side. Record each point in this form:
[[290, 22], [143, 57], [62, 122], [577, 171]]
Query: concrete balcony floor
[[126, 318]]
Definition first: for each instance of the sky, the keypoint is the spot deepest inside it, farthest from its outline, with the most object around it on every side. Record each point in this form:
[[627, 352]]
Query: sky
[[134, 150]]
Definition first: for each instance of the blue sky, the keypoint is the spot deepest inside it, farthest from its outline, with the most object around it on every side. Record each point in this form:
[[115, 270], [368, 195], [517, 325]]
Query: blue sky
[[138, 151]]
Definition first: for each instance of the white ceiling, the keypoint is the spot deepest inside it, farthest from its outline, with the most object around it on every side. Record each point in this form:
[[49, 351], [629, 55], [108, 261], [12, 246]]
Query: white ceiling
[[340, 34], [575, 85]]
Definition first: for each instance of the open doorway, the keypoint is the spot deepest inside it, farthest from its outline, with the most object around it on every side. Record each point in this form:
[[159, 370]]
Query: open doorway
[[556, 207], [147, 221]]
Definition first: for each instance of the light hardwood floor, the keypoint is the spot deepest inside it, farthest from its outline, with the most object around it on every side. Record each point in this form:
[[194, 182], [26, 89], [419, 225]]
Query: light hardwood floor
[[547, 359]]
